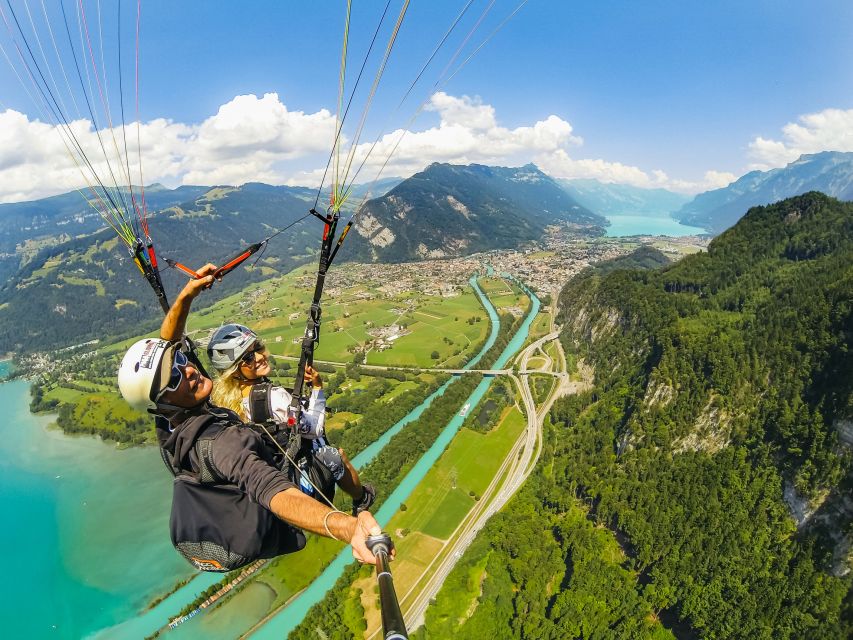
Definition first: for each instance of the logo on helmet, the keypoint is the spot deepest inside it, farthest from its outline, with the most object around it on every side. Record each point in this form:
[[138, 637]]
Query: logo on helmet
[[147, 359]]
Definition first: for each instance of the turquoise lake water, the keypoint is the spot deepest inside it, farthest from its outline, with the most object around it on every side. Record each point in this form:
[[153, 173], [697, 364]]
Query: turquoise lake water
[[634, 225], [84, 527]]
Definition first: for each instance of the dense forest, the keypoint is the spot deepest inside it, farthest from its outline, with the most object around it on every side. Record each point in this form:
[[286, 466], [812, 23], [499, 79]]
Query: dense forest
[[722, 385]]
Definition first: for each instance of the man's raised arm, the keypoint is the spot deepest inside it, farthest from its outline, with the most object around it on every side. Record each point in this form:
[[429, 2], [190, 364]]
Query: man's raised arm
[[175, 321]]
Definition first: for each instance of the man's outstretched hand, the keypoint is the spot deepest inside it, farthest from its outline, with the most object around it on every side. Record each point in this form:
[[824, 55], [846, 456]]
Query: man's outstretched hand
[[196, 285], [366, 526], [175, 321]]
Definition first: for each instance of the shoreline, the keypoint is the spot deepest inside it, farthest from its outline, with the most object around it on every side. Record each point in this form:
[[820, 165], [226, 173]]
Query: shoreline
[[159, 598]]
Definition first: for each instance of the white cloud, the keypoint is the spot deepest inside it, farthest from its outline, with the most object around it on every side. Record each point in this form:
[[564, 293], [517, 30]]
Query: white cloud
[[718, 179], [467, 132], [827, 130], [243, 141], [467, 112], [248, 136], [559, 164], [253, 138]]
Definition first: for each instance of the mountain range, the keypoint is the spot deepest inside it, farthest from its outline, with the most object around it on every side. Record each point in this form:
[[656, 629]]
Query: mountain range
[[67, 279], [619, 199], [78, 284], [81, 287], [452, 210], [830, 172]]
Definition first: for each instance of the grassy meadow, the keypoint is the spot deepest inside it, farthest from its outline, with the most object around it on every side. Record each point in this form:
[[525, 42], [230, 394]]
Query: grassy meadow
[[440, 503]]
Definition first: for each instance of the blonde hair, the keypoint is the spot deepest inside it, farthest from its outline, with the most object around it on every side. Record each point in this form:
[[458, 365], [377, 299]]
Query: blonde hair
[[228, 388], [228, 392]]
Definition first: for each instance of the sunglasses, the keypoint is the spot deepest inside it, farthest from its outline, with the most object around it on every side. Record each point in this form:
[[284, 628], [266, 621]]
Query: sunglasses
[[249, 356], [177, 374]]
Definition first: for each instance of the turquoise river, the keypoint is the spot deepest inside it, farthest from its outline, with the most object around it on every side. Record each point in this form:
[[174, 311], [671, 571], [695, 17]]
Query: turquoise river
[[289, 617], [231, 621]]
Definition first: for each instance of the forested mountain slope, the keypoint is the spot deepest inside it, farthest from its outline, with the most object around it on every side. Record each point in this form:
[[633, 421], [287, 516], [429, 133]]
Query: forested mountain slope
[[87, 288], [719, 381], [26, 227]]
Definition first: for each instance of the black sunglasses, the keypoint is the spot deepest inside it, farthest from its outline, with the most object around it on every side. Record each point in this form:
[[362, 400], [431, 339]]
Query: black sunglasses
[[249, 356]]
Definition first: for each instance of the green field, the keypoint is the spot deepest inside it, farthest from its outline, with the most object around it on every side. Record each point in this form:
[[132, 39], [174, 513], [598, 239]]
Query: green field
[[276, 310], [84, 282], [95, 412], [398, 390], [435, 509], [362, 314], [540, 386], [536, 362], [63, 394], [504, 295], [540, 327], [339, 419], [288, 574], [443, 498], [494, 286], [550, 348]]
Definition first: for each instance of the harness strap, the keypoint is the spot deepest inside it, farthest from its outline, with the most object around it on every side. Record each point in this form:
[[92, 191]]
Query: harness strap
[[260, 403], [167, 460], [202, 441]]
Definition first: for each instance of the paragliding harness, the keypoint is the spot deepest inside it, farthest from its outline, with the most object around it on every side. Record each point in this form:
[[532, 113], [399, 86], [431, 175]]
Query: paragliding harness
[[260, 404], [314, 477], [214, 524]]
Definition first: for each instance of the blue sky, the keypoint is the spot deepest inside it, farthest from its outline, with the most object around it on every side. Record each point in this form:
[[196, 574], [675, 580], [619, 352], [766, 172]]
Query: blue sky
[[685, 95]]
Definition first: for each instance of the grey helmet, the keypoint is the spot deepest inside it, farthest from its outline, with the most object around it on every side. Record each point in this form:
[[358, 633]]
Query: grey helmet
[[228, 344]]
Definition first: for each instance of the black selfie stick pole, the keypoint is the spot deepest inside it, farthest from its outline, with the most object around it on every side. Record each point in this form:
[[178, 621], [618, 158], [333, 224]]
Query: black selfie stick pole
[[393, 625]]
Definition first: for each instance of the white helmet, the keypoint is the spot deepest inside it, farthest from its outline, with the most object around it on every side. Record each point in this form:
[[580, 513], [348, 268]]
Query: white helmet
[[141, 372]]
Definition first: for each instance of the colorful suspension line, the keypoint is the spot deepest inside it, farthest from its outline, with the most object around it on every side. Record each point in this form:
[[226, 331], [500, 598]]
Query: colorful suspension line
[[127, 219]]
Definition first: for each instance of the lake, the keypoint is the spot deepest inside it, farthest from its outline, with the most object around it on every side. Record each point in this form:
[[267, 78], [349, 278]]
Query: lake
[[84, 526], [648, 225]]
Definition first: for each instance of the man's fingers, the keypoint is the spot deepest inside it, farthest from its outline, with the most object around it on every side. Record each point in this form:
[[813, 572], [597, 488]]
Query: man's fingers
[[207, 269]]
